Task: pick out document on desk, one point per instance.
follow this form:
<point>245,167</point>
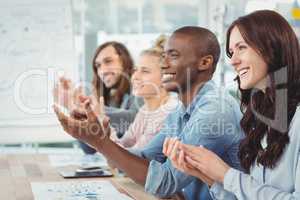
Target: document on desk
<point>79,190</point>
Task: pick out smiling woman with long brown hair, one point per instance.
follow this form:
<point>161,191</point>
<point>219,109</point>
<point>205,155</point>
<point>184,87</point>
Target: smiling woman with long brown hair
<point>265,53</point>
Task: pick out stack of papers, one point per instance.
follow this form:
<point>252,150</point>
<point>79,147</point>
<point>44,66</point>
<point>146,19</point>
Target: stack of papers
<point>79,190</point>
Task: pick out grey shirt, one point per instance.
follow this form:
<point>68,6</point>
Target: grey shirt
<point>122,117</point>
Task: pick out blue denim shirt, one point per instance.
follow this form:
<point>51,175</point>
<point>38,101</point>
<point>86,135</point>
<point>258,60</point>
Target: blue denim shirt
<point>212,120</point>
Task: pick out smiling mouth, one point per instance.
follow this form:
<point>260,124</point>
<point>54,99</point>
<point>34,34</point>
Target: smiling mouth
<point>243,72</point>
<point>108,76</point>
<point>137,86</point>
<point>168,77</point>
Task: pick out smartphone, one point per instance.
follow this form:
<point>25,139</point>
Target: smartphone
<point>81,173</point>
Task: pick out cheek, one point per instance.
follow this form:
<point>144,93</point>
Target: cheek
<point>118,70</point>
<point>154,79</point>
<point>117,76</point>
<point>99,73</point>
<point>260,71</point>
<point>117,67</point>
<point>151,83</point>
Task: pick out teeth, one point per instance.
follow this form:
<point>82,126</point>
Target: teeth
<point>167,77</point>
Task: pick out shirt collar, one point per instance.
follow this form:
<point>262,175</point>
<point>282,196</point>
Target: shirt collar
<point>206,87</point>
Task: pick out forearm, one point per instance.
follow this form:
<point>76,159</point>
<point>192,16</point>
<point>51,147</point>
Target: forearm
<point>135,167</point>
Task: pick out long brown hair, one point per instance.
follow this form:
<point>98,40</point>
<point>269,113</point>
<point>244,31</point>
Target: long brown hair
<point>123,86</point>
<point>272,37</point>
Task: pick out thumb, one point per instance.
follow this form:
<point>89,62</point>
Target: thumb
<point>89,111</point>
<point>102,104</point>
<point>93,100</point>
<point>83,98</point>
<point>106,122</point>
<point>105,125</point>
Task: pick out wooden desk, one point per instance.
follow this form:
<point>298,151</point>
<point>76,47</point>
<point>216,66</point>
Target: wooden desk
<point>17,171</point>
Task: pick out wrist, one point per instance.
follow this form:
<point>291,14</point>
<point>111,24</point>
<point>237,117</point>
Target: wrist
<point>102,144</point>
<point>226,169</point>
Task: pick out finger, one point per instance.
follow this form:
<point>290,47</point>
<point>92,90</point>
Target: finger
<point>62,79</point>
<point>93,99</point>
<point>55,92</point>
<point>191,149</point>
<point>60,115</point>
<point>66,82</point>
<point>105,125</point>
<point>78,114</point>
<point>181,160</point>
<point>102,104</point>
<point>63,119</point>
<point>78,91</point>
<point>174,153</point>
<point>89,111</point>
<point>165,146</point>
<point>194,163</point>
<point>170,146</point>
<point>83,98</point>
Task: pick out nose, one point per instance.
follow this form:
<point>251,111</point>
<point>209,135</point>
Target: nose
<point>134,76</point>
<point>164,63</point>
<point>235,61</point>
<point>103,69</point>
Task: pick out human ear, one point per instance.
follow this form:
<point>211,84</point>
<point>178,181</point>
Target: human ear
<point>205,63</point>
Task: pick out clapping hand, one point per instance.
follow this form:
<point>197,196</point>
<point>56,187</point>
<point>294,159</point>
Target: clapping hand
<point>65,94</point>
<point>195,161</point>
<point>90,130</point>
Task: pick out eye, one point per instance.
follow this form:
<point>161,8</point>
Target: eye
<point>241,47</point>
<point>174,55</point>
<point>107,61</point>
<point>97,65</point>
<point>145,71</point>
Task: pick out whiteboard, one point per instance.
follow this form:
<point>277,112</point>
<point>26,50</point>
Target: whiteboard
<point>36,41</point>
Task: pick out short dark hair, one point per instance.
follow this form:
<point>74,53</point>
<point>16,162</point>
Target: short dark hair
<point>205,41</point>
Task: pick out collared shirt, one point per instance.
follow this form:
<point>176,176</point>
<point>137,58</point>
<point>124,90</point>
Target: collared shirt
<point>281,182</point>
<point>212,120</point>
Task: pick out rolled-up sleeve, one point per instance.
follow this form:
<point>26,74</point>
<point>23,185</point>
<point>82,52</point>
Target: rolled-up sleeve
<point>163,180</point>
<point>218,192</point>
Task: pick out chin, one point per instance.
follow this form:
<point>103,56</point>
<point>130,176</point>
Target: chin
<point>137,94</point>
<point>110,84</point>
<point>171,87</point>
<point>245,86</point>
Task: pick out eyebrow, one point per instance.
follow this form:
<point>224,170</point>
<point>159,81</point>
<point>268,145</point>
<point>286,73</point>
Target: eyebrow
<point>104,59</point>
<point>108,58</point>
<point>171,51</point>
<point>142,67</point>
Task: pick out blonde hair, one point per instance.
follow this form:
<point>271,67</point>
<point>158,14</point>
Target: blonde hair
<point>158,48</point>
